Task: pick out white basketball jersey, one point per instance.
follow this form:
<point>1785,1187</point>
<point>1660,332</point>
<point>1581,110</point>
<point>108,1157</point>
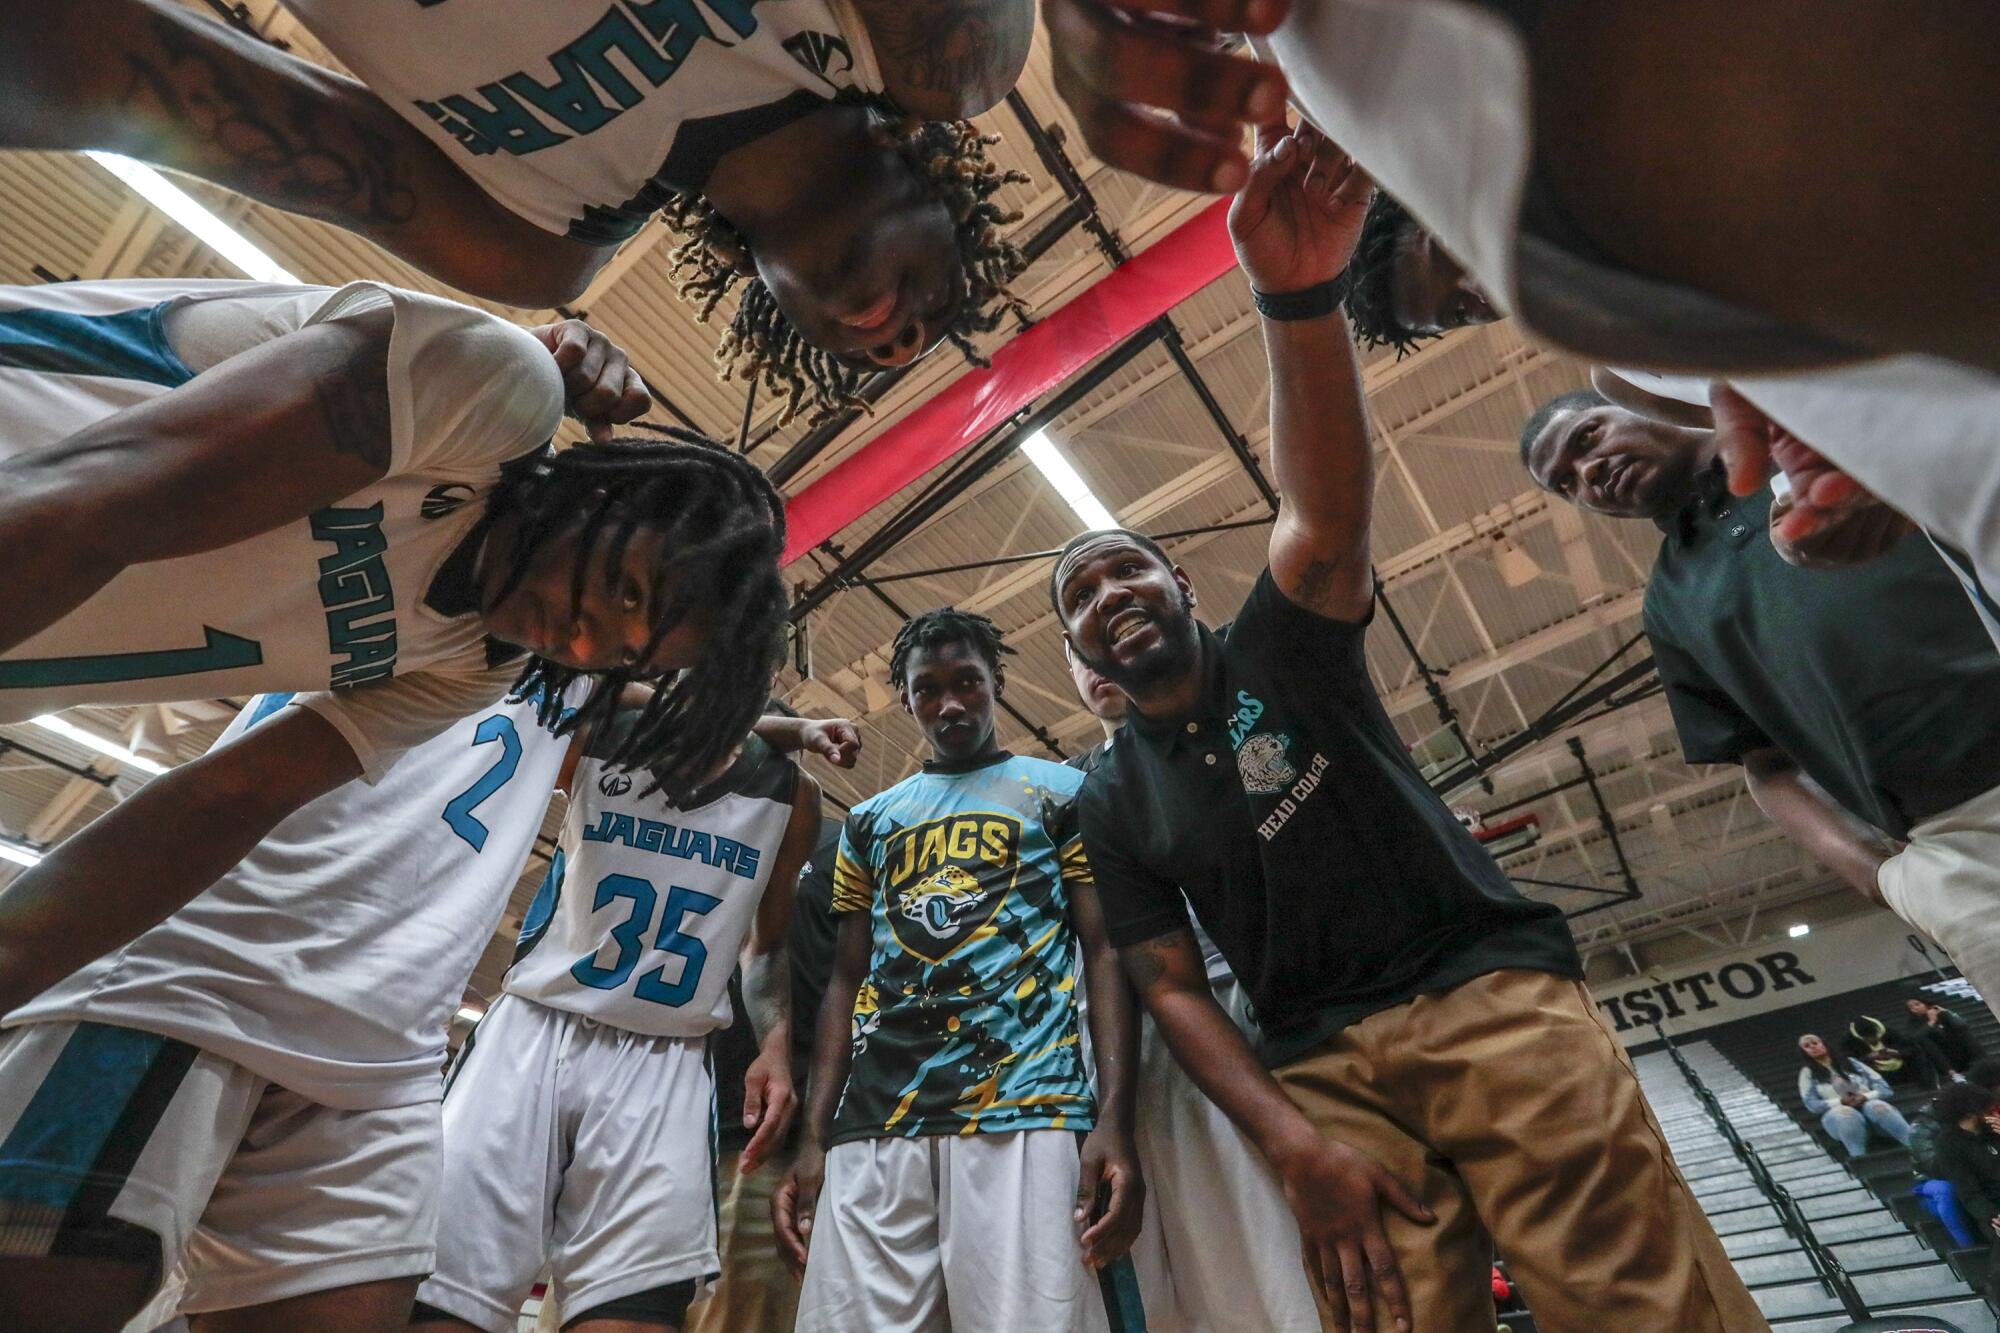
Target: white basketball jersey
<point>644,911</point>
<point>583,117</point>
<point>332,958</point>
<point>330,601</point>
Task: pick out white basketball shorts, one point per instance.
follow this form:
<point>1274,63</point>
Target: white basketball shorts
<point>966,1232</point>
<point>575,1147</point>
<point>117,1143</point>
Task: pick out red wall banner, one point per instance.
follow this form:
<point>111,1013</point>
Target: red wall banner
<point>1125,300</point>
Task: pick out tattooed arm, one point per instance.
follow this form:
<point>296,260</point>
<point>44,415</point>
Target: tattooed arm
<point>949,59</point>
<point>194,469</point>
<point>156,81</point>
<point>1295,224</point>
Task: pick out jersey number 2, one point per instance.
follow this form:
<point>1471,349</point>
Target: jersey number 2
<point>629,936</point>
<point>458,812</point>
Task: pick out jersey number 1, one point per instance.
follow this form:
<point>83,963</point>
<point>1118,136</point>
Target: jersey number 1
<point>629,935</point>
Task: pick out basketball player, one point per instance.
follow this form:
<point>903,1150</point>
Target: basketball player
<point>579,1121</point>
<point>510,147</point>
<point>413,524</point>
<point>1219,1248</point>
<point>246,1096</point>
<point>1434,1078</point>
<point>953,1156</point>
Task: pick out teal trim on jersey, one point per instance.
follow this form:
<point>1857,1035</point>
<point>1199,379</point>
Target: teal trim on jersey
<point>220,651</point>
<point>264,705</point>
<point>542,910</point>
<point>47,1156</point>
<point>1124,1307</point>
<point>131,345</point>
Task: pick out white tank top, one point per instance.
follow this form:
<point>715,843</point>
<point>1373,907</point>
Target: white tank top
<point>330,960</point>
<point>581,115</point>
<point>327,603</point>
<point>645,908</point>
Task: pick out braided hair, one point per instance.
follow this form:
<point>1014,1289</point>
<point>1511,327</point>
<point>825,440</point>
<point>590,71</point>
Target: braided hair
<point>942,625</point>
<point>1371,278</point>
<point>724,528</point>
<point>949,157</point>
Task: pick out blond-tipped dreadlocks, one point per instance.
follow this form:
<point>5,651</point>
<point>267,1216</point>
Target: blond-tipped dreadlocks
<point>949,156</point>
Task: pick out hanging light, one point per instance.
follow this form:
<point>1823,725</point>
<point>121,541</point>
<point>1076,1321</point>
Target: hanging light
<point>1517,568</point>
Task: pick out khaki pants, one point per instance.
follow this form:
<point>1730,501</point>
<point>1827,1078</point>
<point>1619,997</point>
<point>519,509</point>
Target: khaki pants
<point>1509,1109</point>
<point>756,1293</point>
<point>1946,883</point>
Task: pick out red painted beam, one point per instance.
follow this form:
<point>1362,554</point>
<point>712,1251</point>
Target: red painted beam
<point>1118,305</point>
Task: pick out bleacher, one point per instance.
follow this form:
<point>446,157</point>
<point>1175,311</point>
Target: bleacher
<point>1901,1259</point>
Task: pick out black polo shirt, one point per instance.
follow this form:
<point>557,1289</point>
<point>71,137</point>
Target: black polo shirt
<point>1879,681</point>
<point>1287,809</point>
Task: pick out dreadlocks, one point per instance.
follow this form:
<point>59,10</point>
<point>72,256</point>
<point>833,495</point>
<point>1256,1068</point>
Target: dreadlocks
<point>724,527</point>
<point>1371,301</point>
<point>950,158</point>
<point>947,624</point>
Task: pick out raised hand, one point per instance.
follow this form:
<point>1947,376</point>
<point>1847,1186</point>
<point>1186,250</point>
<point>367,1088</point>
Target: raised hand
<point>1152,92</point>
<point>599,384</point>
<point>1296,220</point>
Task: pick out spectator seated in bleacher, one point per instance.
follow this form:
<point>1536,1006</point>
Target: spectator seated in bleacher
<point>1936,1192</point>
<point>1948,1037</point>
<point>1848,1097</point>
<point>1968,1152</point>
<point>1867,1040</point>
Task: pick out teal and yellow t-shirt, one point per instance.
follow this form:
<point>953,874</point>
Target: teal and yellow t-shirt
<point>967,1022</point>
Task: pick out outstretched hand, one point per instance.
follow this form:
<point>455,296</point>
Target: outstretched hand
<point>600,386</point>
<point>1752,445</point>
<point>1296,220</point>
<point>834,739</point>
<point>1153,92</point>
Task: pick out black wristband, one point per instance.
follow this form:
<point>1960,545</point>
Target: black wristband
<point>1306,303</point>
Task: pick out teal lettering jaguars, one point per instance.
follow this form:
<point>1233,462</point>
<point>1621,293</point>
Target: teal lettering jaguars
<point>584,88</point>
<point>650,835</point>
<point>354,588</point>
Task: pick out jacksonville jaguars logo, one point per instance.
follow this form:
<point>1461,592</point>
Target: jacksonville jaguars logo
<point>1263,765</point>
<point>615,784</point>
<point>947,878</point>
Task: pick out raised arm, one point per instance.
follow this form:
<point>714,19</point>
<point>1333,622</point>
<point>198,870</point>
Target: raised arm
<point>147,858</point>
<point>949,59</point>
<point>1295,224</point>
<point>1110,1161</point>
<point>157,81</point>
<point>1333,1190</point>
<point>793,1205</point>
<point>768,1096</point>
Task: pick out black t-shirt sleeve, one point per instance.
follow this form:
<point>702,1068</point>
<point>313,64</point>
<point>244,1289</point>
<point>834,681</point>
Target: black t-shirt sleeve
<point>1712,728</point>
<point>1138,904</point>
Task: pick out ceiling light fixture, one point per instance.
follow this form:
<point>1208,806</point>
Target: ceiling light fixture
<point>1799,931</point>
<point>1517,568</point>
<point>19,853</point>
<point>468,1014</point>
<point>183,208</point>
<point>90,740</point>
<point>1069,483</point>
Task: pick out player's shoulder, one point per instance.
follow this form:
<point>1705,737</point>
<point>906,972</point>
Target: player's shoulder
<point>1055,778</point>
